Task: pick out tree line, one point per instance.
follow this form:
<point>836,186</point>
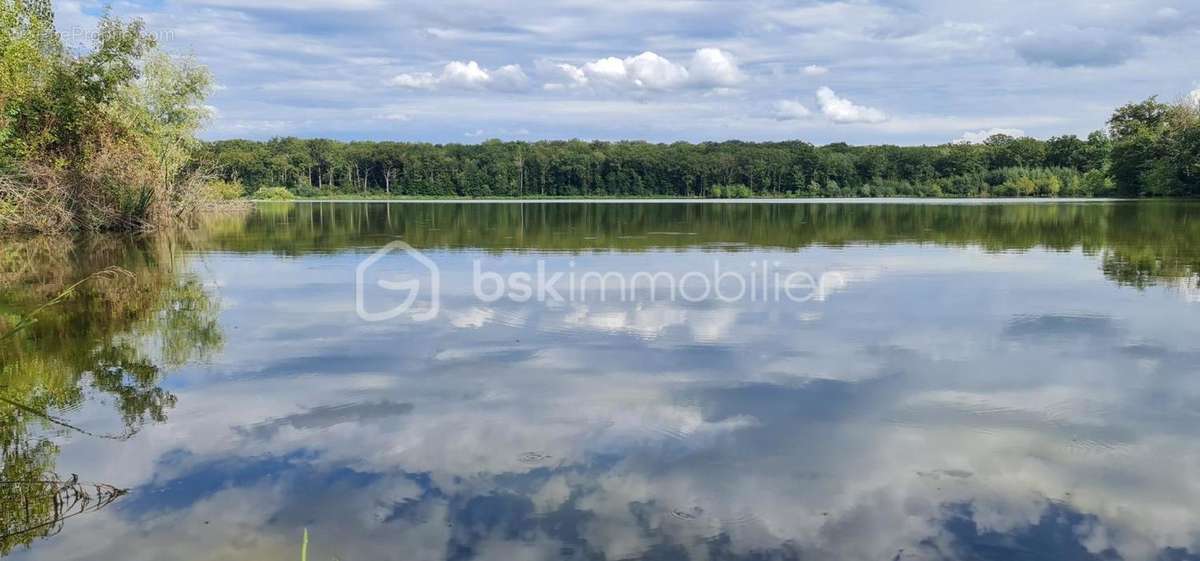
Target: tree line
<point>1148,149</point>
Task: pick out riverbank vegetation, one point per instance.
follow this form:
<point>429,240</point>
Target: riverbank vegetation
<point>103,140</point>
<point>1149,149</point>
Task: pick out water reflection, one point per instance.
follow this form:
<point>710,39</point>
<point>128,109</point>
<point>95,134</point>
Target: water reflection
<point>984,386</point>
<point>85,346</point>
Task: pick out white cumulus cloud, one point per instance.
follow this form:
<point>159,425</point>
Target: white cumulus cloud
<point>791,110</point>
<point>654,72</point>
<point>709,68</point>
<point>976,137</point>
<point>563,76</point>
<point>844,111</point>
<point>815,70</point>
<point>714,67</point>
<point>467,76</point>
<point>1194,97</point>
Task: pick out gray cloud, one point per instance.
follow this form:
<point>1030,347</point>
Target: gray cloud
<point>1066,48</point>
<point>330,415</point>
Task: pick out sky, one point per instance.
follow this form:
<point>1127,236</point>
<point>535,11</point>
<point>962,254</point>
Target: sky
<point>859,71</point>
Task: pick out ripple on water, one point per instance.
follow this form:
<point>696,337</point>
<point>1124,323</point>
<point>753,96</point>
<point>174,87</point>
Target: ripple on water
<point>534,458</point>
<point>709,521</point>
<point>688,515</point>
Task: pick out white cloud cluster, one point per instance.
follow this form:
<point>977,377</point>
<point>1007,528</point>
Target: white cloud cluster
<point>835,109</point>
<point>714,67</point>
<point>843,111</point>
<point>977,137</point>
<point>708,68</point>
<point>1194,97</point>
<point>466,76</point>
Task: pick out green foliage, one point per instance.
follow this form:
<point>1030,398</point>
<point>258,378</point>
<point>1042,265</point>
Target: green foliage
<point>1098,183</point>
<point>28,50</point>
<point>103,139</point>
<point>1156,149</point>
<point>315,168</point>
<point>1061,166</point>
<point>272,194</point>
<point>221,190</point>
<point>738,191</point>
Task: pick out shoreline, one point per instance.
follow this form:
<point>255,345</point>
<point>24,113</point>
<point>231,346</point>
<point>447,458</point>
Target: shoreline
<point>664,200</point>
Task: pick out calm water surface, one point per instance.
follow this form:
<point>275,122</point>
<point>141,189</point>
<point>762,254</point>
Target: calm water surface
<point>1016,381</point>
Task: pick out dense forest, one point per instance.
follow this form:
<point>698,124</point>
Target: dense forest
<point>1149,149</point>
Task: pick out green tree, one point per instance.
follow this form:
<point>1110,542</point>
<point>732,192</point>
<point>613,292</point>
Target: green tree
<point>98,140</point>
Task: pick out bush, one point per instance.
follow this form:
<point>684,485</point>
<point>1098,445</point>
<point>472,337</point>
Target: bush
<point>1097,182</point>
<point>737,191</point>
<point>272,194</point>
<point>220,190</point>
<point>102,140</point>
<point>307,191</point>
<point>1049,186</point>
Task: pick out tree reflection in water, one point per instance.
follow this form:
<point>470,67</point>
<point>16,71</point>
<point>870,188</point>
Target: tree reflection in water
<point>925,441</point>
<point>76,316</point>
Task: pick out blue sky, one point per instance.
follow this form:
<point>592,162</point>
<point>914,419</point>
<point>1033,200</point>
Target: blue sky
<point>886,71</point>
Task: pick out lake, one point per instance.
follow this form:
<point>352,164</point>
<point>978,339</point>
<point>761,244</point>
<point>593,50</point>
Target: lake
<point>586,381</point>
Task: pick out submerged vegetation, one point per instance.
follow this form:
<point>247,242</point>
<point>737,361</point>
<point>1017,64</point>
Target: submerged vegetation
<point>1150,149</point>
<point>97,141</point>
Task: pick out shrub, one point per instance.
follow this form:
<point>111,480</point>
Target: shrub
<point>307,191</point>
<point>1049,186</point>
<point>101,140</point>
<point>272,194</point>
<point>221,190</point>
<point>1097,182</point>
<point>736,191</point>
